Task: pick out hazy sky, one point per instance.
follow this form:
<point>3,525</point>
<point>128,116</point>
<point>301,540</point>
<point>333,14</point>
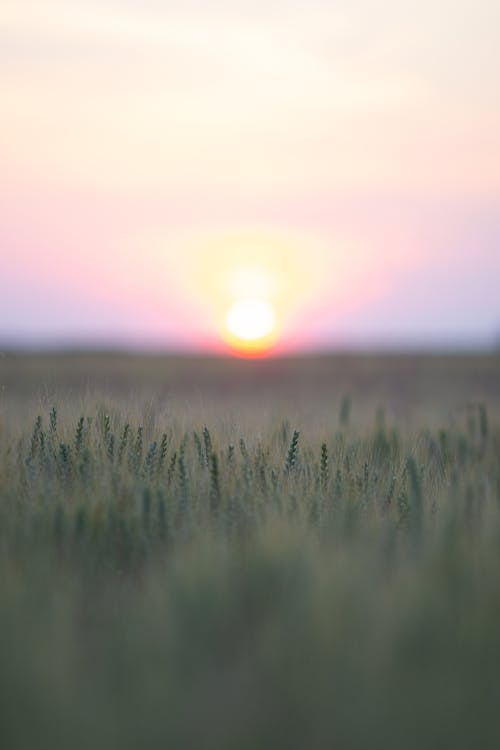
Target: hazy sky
<point>159,160</point>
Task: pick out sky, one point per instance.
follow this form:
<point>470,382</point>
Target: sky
<point>169,168</point>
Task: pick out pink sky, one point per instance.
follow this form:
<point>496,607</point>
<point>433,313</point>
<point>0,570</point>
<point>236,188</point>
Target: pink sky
<point>345,158</point>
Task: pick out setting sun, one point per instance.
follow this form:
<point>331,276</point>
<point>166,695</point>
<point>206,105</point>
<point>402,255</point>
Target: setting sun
<point>251,319</point>
<point>251,286</point>
<point>251,325</point>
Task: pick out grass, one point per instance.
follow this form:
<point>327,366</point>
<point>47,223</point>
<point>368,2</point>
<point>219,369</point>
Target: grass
<point>256,556</point>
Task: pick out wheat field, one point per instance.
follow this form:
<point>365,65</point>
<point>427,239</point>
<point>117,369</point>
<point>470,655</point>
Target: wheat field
<point>205,553</point>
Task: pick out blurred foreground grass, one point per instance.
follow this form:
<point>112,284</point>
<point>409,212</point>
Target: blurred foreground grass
<point>210,554</point>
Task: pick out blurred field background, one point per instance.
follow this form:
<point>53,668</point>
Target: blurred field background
<point>204,553</point>
<point>415,389</point>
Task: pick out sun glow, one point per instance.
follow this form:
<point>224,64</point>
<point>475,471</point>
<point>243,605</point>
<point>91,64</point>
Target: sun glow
<point>251,319</point>
<point>251,326</point>
<point>250,286</point>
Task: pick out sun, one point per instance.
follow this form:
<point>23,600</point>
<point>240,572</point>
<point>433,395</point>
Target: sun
<point>251,325</point>
<point>249,287</point>
<point>251,319</point>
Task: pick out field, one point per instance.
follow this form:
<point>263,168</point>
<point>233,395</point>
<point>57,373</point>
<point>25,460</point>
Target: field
<point>201,553</point>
